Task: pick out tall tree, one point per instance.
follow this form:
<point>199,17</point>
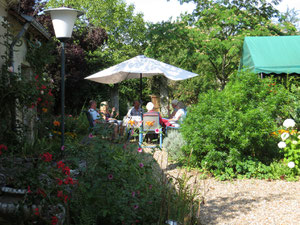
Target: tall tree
<point>125,35</point>
<point>209,41</point>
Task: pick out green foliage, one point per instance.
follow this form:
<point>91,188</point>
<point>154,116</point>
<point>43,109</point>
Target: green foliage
<point>125,38</point>
<point>19,94</point>
<point>226,127</point>
<point>173,143</point>
<point>118,186</point>
<point>209,41</point>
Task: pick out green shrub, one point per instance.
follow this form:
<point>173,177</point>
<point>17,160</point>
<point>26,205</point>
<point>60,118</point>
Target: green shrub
<point>226,127</point>
<point>117,187</point>
<point>173,143</point>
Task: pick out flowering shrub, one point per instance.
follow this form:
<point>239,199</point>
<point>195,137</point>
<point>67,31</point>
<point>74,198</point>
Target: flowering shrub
<point>44,96</point>
<point>290,144</point>
<point>119,187</point>
<point>48,184</point>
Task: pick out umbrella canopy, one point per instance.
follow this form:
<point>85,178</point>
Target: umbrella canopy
<point>137,67</point>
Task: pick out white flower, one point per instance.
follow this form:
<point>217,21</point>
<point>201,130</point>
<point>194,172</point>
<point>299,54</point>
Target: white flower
<point>284,136</point>
<point>282,144</point>
<point>294,142</point>
<point>291,165</point>
<point>298,136</point>
<point>42,92</point>
<point>289,123</point>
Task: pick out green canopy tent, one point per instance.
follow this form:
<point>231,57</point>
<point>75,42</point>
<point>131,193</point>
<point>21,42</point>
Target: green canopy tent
<point>271,55</point>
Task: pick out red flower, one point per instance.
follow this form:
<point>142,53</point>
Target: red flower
<point>36,212</point>
<point>47,157</point>
<point>66,170</point>
<point>39,99</point>
<point>60,164</point>
<point>69,180</point>
<point>28,189</point>
<point>60,194</point>
<point>44,87</point>
<point>42,192</point>
<point>50,93</point>
<point>4,147</point>
<point>36,77</point>
<point>59,181</point>
<point>66,198</point>
<point>54,220</point>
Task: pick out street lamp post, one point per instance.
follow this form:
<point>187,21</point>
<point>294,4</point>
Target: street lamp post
<point>63,20</point>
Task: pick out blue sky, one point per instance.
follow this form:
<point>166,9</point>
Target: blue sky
<point>159,10</point>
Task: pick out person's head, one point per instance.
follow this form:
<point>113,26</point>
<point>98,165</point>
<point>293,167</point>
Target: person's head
<point>180,105</point>
<point>93,104</point>
<point>104,106</point>
<point>150,106</point>
<point>174,103</point>
<point>136,104</point>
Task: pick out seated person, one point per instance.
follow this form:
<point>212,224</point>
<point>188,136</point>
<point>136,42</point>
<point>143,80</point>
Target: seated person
<point>180,113</point>
<point>150,107</point>
<point>94,114</point>
<point>174,104</point>
<point>98,119</point>
<point>136,110</point>
<point>104,111</point>
<point>133,114</point>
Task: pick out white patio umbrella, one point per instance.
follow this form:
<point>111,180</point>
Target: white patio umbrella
<point>138,67</point>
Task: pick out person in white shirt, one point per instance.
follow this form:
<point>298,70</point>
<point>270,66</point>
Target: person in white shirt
<point>177,118</point>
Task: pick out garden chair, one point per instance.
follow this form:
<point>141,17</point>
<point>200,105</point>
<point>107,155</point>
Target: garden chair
<point>150,125</point>
<point>90,120</point>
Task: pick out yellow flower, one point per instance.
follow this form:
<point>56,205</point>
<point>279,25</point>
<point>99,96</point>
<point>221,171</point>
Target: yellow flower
<point>131,122</point>
<point>282,131</point>
<point>149,123</point>
<point>45,110</point>
<point>293,132</point>
<point>56,123</point>
<point>274,133</point>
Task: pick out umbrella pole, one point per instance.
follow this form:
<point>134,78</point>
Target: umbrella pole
<point>142,128</point>
<point>141,87</point>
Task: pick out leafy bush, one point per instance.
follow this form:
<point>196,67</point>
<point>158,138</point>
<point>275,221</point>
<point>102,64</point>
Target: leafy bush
<point>173,143</point>
<point>118,186</point>
<point>226,127</point>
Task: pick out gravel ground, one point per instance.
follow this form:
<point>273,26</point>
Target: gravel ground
<point>242,202</point>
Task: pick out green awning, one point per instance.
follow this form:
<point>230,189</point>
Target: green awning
<point>272,54</point>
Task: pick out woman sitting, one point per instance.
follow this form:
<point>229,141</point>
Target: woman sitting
<point>108,117</point>
<point>150,109</point>
<point>104,111</point>
<point>177,118</point>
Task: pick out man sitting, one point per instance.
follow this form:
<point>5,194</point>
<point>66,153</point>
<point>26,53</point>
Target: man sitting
<point>95,115</point>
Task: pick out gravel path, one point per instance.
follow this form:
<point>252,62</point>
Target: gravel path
<point>242,202</point>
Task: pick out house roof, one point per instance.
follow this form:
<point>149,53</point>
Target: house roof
<point>25,18</point>
<point>272,54</point>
